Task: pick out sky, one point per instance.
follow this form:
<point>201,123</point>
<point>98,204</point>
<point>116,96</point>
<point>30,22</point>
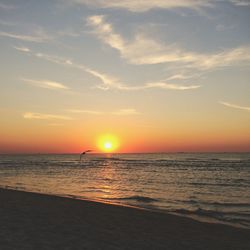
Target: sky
<point>158,76</point>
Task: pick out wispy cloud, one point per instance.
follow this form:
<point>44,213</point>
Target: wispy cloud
<point>40,116</point>
<point>183,76</point>
<point>39,38</point>
<point>125,112</point>
<point>23,49</point>
<point>107,81</point>
<point>164,85</point>
<point>145,5</point>
<point>7,6</point>
<point>45,84</point>
<point>159,85</point>
<point>145,50</point>
<point>230,105</point>
<point>241,2</point>
<point>121,112</point>
<point>82,111</point>
<point>225,58</point>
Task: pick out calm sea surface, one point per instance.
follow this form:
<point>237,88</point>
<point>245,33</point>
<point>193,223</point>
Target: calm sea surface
<point>210,187</point>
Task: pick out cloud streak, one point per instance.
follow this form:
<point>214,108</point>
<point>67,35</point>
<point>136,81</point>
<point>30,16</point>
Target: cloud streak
<point>7,6</point>
<point>45,84</point>
<point>183,76</point>
<point>41,116</point>
<point>107,81</point>
<point>110,82</point>
<point>120,112</point>
<point>125,112</point>
<point>144,50</point>
<point>145,5</point>
<point>241,2</point>
<point>164,85</point>
<point>230,105</point>
<point>82,111</point>
<point>22,49</point>
<point>27,38</point>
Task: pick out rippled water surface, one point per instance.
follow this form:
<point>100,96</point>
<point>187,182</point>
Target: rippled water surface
<point>212,187</point>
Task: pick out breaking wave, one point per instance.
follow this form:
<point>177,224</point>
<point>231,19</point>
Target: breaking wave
<point>138,198</point>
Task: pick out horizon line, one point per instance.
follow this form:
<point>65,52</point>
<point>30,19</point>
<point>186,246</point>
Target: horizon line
<point>111,153</point>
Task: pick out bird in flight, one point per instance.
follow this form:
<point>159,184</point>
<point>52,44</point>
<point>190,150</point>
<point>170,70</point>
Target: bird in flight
<point>83,153</point>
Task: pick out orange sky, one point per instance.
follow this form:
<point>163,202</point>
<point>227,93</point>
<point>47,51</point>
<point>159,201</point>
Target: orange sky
<point>166,79</point>
<point>74,139</point>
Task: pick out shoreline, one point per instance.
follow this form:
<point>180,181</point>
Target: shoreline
<point>75,197</point>
<point>203,219</point>
<point>34,220</point>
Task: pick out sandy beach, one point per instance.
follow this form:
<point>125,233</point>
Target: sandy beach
<point>37,221</point>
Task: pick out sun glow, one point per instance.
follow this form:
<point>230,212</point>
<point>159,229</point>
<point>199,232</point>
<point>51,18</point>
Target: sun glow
<point>108,143</point>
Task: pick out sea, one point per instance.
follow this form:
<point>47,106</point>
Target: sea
<point>211,187</point>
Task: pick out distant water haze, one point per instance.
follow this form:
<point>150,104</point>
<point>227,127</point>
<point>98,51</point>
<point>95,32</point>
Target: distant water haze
<point>210,187</point>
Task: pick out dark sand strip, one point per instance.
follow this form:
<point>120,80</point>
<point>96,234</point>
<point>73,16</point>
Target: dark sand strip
<point>37,221</point>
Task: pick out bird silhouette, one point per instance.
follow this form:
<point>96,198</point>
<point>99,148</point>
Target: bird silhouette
<point>83,153</point>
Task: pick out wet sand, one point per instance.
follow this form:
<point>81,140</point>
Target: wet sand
<point>37,221</point>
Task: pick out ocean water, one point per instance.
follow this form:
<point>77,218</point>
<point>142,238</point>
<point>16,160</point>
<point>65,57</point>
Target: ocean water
<point>208,187</point>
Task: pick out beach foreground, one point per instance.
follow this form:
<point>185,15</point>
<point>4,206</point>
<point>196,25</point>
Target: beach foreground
<point>37,221</point>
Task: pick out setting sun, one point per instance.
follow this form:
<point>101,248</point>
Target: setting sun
<point>108,143</point>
